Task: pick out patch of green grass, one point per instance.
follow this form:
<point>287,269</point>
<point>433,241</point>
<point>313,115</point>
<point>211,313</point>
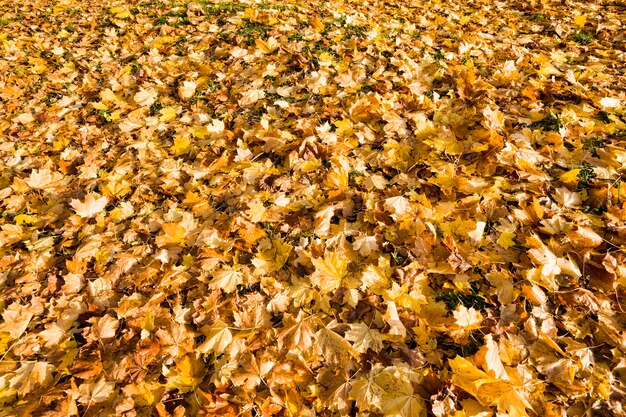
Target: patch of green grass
<point>438,55</point>
<point>252,30</point>
<point>398,258</point>
<point>551,123</point>
<point>212,85</point>
<point>134,67</point>
<point>52,97</point>
<point>586,176</point>
<point>224,35</point>
<point>161,20</point>
<point>220,8</point>
<point>453,299</point>
<point>296,37</point>
<point>475,340</point>
<point>156,107</point>
<point>538,16</point>
<point>4,21</point>
<point>604,117</point>
<point>593,144</point>
<point>105,116</point>
<point>355,31</point>
<point>582,37</point>
<point>177,13</point>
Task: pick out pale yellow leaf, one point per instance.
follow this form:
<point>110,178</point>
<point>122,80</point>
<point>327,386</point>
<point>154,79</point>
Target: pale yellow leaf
<point>218,338</point>
<point>94,204</point>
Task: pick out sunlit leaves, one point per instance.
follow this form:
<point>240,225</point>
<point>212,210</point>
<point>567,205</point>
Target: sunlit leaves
<point>486,389</point>
<point>329,272</point>
<point>384,208</point>
<point>218,338</point>
<point>92,205</point>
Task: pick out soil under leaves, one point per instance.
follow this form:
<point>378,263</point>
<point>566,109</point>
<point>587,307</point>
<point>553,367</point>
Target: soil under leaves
<point>372,208</point>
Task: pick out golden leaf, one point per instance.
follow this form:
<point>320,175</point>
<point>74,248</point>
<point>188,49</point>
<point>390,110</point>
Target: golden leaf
<point>329,272</point>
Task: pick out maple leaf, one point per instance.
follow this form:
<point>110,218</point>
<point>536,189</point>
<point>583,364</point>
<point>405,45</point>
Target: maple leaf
<point>145,97</point>
<point>329,271</point>
<point>398,398</point>
<point>30,376</point>
<point>256,211</point>
<point>335,349</point>
<point>322,221</point>
<point>129,124</point>
<point>299,335</point>
<point>167,114</point>
<point>494,119</point>
<point>476,235</point>
<point>392,318</point>
<point>489,355</point>
<point>398,206</point>
<point>94,204</point>
<point>375,278</point>
<point>489,391</point>
<point>567,198</point>
<point>251,96</point>
<point>267,47</point>
<point>173,234</point>
<point>105,327</point>
<point>366,245</point>
<point>364,338</point>
<point>16,319</point>
<point>226,279</point>
<point>187,90</point>
<point>367,393</point>
<point>216,126</point>
<point>218,338</point>
<point>95,392</point>
<point>186,374</point>
<point>610,102</point>
<point>43,179</point>
<point>467,318</point>
<point>182,145</point>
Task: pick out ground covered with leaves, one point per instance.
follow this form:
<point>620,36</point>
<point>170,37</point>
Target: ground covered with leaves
<point>364,208</point>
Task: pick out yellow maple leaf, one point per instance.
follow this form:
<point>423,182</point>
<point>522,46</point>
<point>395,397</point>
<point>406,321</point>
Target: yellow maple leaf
<point>173,234</point>
<point>167,114</point>
<point>580,20</point>
<point>335,349</point>
<point>489,391</point>
<point>43,178</point>
<point>467,318</point>
<point>363,338</point>
<point>187,373</point>
<point>92,205</point>
<point>226,279</point>
<point>256,211</point>
<point>218,338</point>
<point>268,46</point>
<point>121,12</point>
<point>181,145</point>
<point>506,239</point>
<point>329,271</point>
<point>570,177</point>
<point>25,219</point>
<point>31,375</point>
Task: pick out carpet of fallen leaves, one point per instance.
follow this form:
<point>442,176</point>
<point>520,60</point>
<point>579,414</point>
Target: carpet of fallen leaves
<point>365,208</point>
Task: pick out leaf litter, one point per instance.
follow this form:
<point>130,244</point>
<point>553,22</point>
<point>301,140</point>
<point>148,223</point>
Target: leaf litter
<point>379,208</point>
